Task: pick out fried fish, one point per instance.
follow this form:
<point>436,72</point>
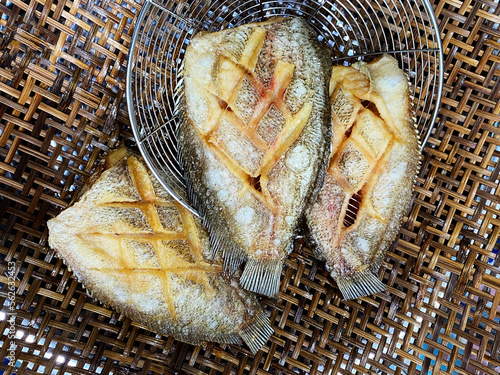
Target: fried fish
<point>138,250</point>
<point>254,139</point>
<point>371,173</point>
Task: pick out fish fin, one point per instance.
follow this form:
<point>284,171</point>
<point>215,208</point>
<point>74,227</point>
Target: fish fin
<point>360,284</point>
<point>257,332</point>
<point>233,257</point>
<point>262,276</point>
<point>379,257</point>
<point>227,339</point>
<point>232,254</point>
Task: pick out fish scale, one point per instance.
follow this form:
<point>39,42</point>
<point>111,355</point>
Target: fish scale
<point>254,139</point>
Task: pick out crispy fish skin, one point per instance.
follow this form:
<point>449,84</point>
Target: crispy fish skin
<point>135,248</point>
<point>374,163</point>
<point>254,140</point>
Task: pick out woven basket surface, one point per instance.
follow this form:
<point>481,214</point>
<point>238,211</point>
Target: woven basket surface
<point>62,108</point>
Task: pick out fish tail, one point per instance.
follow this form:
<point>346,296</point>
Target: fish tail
<point>360,284</point>
<point>257,332</point>
<point>262,276</point>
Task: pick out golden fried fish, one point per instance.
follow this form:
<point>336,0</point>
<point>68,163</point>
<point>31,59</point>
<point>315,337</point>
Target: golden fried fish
<point>138,250</point>
<point>371,175</point>
<point>254,140</point>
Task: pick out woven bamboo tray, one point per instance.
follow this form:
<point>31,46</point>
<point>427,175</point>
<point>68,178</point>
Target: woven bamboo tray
<point>62,107</point>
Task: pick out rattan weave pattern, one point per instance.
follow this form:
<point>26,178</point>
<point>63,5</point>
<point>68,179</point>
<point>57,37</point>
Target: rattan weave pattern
<point>62,72</point>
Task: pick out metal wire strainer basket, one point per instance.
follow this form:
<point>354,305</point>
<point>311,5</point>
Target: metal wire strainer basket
<point>351,29</point>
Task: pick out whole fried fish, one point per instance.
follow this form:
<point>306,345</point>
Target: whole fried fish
<point>138,250</point>
<point>372,171</point>
<point>254,140</point>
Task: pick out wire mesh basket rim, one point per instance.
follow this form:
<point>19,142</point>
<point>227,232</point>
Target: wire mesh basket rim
<point>143,146</point>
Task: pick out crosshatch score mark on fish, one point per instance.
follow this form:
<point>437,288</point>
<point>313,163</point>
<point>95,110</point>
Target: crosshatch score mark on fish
<point>368,186</point>
<point>269,106</point>
<point>194,270</point>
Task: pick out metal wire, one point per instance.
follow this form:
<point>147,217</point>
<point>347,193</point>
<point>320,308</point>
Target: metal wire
<point>351,29</point>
